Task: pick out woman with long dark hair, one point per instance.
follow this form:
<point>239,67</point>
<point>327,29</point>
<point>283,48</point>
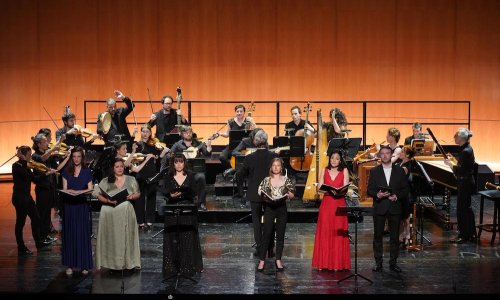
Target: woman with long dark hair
<point>76,249</point>
<point>331,244</point>
<point>179,189</point>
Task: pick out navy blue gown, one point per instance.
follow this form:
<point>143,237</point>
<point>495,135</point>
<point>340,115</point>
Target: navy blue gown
<point>76,249</point>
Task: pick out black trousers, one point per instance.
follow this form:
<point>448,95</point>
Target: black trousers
<point>201,187</point>
<point>224,157</point>
<point>258,228</point>
<point>25,206</point>
<point>271,213</point>
<point>45,199</point>
<point>378,228</point>
<point>145,206</point>
<point>465,214</point>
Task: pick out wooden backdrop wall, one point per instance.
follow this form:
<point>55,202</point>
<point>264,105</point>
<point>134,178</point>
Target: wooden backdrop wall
<point>57,52</point>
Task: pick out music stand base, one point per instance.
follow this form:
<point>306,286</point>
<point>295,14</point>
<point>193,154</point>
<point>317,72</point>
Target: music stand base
<point>177,277</point>
<point>355,275</point>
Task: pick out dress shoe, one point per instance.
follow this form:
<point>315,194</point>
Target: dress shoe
<point>24,252</point>
<point>395,268</point>
<point>85,272</point>
<point>203,207</point>
<point>377,268</point>
<point>228,172</point>
<point>278,269</point>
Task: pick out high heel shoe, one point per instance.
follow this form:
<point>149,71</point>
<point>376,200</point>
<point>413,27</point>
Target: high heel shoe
<point>278,268</point>
<point>260,269</point>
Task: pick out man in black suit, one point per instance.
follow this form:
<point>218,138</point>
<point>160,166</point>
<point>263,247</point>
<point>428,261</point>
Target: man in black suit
<point>119,128</point>
<point>387,205</point>
<point>255,169</point>
<point>464,172</point>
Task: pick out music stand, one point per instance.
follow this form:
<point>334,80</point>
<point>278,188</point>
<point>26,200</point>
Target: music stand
<point>281,141</point>
<point>357,213</point>
<point>171,138</point>
<point>348,146</point>
<point>235,137</point>
<point>197,165</point>
<point>297,146</point>
<point>178,210</point>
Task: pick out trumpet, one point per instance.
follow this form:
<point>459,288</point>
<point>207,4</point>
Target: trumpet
<point>491,186</point>
<point>372,149</point>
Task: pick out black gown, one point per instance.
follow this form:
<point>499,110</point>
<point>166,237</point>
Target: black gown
<point>190,257</point>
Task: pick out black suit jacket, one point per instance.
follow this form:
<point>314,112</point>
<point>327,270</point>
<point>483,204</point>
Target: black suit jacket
<point>398,183</point>
<point>119,123</point>
<point>255,168</point>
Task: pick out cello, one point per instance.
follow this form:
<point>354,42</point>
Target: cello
<point>319,164</point>
<point>303,163</point>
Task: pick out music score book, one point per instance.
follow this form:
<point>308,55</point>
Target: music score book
<point>385,189</point>
<point>335,192</point>
<point>75,192</point>
<point>117,195</point>
<point>274,200</point>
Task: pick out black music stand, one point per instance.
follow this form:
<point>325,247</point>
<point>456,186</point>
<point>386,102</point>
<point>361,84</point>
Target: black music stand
<point>297,146</point>
<point>348,146</point>
<point>197,165</point>
<point>357,213</point>
<point>281,141</point>
<point>171,138</point>
<point>178,210</point>
<point>235,137</point>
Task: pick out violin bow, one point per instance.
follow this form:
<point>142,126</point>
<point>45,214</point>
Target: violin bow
<point>8,160</point>
<point>150,102</point>
<point>51,117</point>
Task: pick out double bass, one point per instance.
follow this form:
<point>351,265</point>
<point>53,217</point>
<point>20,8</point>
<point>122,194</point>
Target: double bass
<point>318,165</point>
<point>303,163</point>
<point>179,117</point>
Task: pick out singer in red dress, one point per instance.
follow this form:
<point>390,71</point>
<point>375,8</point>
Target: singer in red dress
<point>331,244</point>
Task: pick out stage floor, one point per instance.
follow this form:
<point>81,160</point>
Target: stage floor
<point>230,268</point>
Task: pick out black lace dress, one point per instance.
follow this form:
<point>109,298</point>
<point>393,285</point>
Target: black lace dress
<point>187,259</point>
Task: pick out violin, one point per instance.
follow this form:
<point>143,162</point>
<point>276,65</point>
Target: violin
<point>60,153</point>
<point>62,146</point>
<point>37,166</point>
<point>156,143</point>
<point>84,132</point>
<point>136,157</point>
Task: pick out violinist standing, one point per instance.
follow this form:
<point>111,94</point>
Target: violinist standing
<point>146,204</point>
<point>45,182</point>
<point>73,133</point>
<point>22,177</point>
<point>119,129</point>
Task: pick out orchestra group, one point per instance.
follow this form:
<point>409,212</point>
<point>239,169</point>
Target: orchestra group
<point>129,174</point>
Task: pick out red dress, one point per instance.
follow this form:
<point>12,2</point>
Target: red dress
<point>331,244</point>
